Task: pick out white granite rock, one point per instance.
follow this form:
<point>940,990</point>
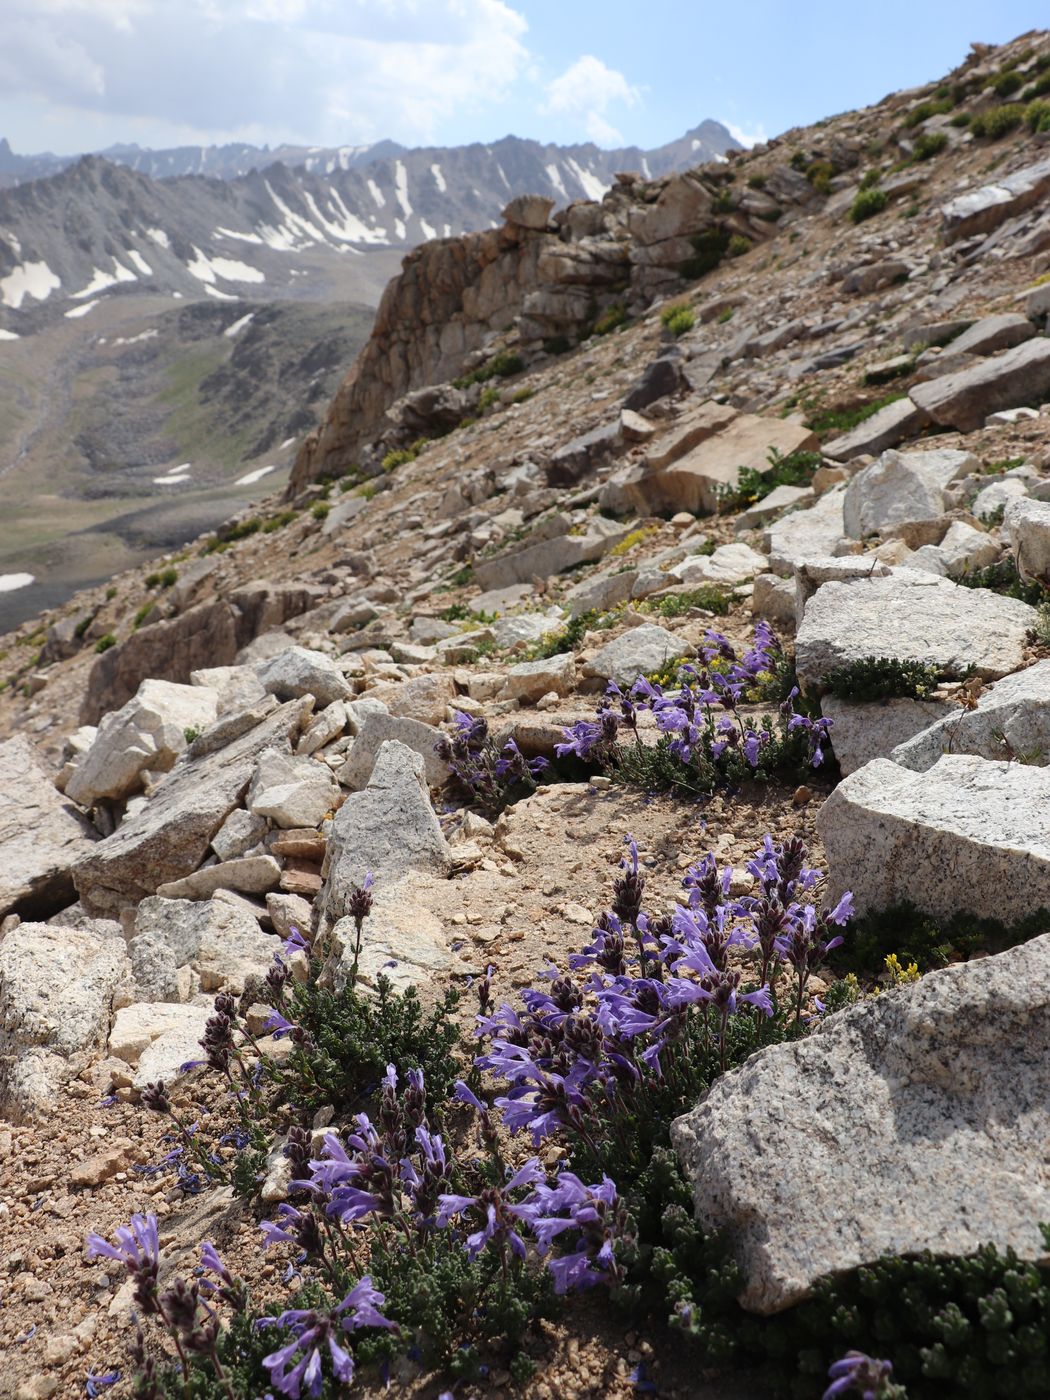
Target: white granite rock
<point>239,833</point>
<point>135,1028</point>
<point>57,987</point>
<point>389,829</point>
<point>524,627</point>
<point>997,496</point>
<point>180,1044</point>
<point>1011,720</point>
<point>298,671</point>
<point>774,599</point>
<point>41,835</point>
<point>912,616</point>
<point>902,487</point>
<point>962,550</point>
<point>873,729</point>
<point>379,728</point>
<point>249,874</point>
<point>1026,524</point>
<point>810,574</point>
<point>806,534</point>
<point>323,728</point>
<point>915,1121</point>
<point>149,732</point>
<point>291,791</point>
<point>639,652</point>
<point>729,564</point>
<point>221,943</point>
<point>967,835</point>
<point>530,680</point>
<point>235,686</point>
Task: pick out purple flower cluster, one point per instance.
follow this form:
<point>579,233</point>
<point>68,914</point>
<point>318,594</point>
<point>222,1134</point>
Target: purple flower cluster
<point>701,721</point>
<point>857,1374</point>
<point>657,994</point>
<point>297,1366</point>
<point>490,773</point>
<point>399,1176</point>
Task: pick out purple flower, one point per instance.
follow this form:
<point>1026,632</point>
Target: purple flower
<point>856,1372</point>
<point>137,1247</point>
<point>97,1383</point>
<point>277,1025</point>
<point>299,1362</point>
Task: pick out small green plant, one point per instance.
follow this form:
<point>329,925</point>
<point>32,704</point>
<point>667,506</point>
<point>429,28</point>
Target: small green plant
<point>82,626</point>
<point>111,593</point>
<point>462,576</point>
<point>104,643</point>
<point>191,733</point>
<point>522,395</point>
<point>724,202</point>
<point>882,678</point>
<point>871,177</point>
<point>319,510</point>
<point>998,122</point>
<point>569,637</point>
<point>611,319</point>
<point>502,365</point>
<point>726,315</point>
<point>756,182</point>
<point>366,490</point>
<point>1037,115</point>
<point>819,173</point>
<point>928,941</point>
<point>278,522</point>
<point>930,144</point>
<point>738,246</point>
<point>709,248</point>
<point>229,534</point>
<point>142,614</point>
<point>397,457</point>
<point>677,317</point>
<point>1002,577</point>
<point>962,119</point>
<point>1007,82</point>
<point>488,399</point>
<point>709,598</point>
<point>867,204</point>
<point>841,420</point>
<point>925,110</point>
<point>794,469</point>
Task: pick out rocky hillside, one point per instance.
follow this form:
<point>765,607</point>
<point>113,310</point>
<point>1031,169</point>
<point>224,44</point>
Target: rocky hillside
<point>653,648</point>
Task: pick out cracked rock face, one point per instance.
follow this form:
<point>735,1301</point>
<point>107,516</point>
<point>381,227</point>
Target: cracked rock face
<point>917,1120</point>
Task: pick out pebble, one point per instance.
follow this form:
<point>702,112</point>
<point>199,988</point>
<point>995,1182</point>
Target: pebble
<point>801,796</point>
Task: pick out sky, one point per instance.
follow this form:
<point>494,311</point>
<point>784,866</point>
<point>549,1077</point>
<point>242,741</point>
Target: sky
<point>79,75</point>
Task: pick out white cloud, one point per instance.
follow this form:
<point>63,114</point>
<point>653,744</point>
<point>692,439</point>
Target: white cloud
<point>328,71</point>
<point>586,90</point>
<point>746,138</point>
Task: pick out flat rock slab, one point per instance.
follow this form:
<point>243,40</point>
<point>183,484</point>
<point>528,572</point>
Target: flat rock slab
<point>1011,720</point>
<point>966,836</point>
<point>915,1121</point>
<point>169,838</point>
<point>981,210</point>
<point>861,732</point>
<point>806,534</point>
<point>379,728</point>
<point>912,616</point>
<point>41,836</point>
<point>895,423</point>
<point>964,400</point>
<point>1026,523</point>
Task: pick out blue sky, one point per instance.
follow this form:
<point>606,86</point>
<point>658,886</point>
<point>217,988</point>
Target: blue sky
<point>79,74</point>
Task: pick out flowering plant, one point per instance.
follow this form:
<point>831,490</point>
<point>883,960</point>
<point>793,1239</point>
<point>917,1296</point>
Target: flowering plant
<point>706,739</point>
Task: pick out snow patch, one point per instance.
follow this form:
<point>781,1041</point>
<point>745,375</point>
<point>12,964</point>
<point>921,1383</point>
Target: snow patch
<point>220,296</point>
<point>78,311</point>
<point>221,232</point>
<point>376,193</point>
<point>287,443</point>
<point>500,172</point>
<point>174,475</point>
<point>207,269</point>
<point>250,478</point>
<point>554,175</point>
<point>102,281</point>
<point>401,188</point>
<point>439,179</point>
<point>593,187</point>
<point>159,237</point>
<point>140,262</point>
<point>9,582</point>
<point>399,228</point>
<point>126,340</point>
<point>231,331</point>
<point>428,232</point>
<point>8,335</point>
<point>30,279</point>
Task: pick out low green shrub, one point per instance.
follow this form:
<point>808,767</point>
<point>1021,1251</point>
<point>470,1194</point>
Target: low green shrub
<point>678,318</point>
<point>998,122</point>
<point>104,643</point>
<point>925,110</point>
<point>709,248</point>
<point>611,319</point>
<point>882,678</point>
<point>929,144</point>
<point>867,204</point>
<point>319,510</point>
